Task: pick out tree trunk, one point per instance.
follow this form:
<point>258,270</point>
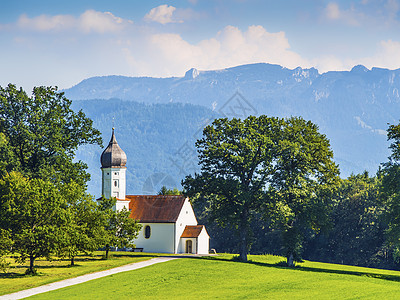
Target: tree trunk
<point>72,261</point>
<point>243,244</point>
<point>31,264</point>
<point>290,260</point>
<point>107,250</point>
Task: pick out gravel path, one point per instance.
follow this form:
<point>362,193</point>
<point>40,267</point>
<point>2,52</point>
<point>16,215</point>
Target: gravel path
<point>83,278</point>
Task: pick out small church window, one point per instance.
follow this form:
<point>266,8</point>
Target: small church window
<point>116,173</point>
<point>116,183</point>
<point>147,232</point>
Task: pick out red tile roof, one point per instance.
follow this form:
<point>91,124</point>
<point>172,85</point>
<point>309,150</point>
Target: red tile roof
<point>192,231</point>
<point>155,209</point>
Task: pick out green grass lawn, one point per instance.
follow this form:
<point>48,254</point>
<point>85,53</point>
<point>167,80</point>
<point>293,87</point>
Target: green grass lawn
<point>219,277</point>
<point>50,271</point>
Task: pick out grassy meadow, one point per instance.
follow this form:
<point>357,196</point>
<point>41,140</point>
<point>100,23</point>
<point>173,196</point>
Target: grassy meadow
<point>58,269</point>
<point>220,277</point>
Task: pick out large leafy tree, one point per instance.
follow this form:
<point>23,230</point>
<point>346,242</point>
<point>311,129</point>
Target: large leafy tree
<point>86,223</point>
<point>41,134</point>
<point>304,178</point>
<point>390,190</point>
<point>272,166</point>
<point>236,159</point>
<point>34,213</point>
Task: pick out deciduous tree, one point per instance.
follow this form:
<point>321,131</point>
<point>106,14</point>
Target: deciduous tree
<point>34,212</point>
<point>120,229</point>
<point>304,178</point>
<point>85,231</point>
<point>282,168</point>
<point>390,190</point>
<point>237,163</point>
<point>43,133</point>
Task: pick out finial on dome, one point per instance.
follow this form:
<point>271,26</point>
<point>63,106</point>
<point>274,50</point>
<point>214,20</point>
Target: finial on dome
<point>113,155</point>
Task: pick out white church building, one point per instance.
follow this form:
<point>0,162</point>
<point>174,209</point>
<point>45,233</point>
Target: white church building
<point>169,224</point>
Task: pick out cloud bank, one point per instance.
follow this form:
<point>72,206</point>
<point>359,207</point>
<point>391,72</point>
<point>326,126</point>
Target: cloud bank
<point>90,21</point>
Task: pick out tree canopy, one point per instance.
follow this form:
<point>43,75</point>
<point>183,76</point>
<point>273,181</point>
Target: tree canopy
<point>120,229</point>
<point>390,189</point>
<point>34,213</point>
<point>262,165</point>
<point>40,134</point>
<point>43,204</point>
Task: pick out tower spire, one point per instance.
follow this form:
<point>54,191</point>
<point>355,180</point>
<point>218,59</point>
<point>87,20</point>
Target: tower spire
<point>113,161</point>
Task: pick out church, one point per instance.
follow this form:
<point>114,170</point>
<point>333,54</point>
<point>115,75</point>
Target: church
<point>169,224</point>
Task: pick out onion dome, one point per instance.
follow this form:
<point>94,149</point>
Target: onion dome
<point>113,155</point>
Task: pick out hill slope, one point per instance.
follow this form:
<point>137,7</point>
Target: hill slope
<point>222,278</point>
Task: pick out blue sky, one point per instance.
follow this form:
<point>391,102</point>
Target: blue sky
<point>63,42</point>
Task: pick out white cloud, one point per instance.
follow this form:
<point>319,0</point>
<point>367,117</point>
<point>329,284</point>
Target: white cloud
<point>168,54</point>
<point>46,23</point>
<point>89,21</point>
<point>101,22</point>
<point>387,56</point>
<point>161,14</point>
<point>349,16</point>
<point>327,63</point>
<point>364,125</point>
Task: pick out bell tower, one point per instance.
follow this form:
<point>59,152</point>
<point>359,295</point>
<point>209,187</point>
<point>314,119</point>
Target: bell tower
<point>113,168</point>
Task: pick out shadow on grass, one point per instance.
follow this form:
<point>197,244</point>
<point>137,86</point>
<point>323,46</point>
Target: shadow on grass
<point>11,275</point>
<point>280,265</point>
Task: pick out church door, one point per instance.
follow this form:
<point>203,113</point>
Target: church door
<point>188,246</point>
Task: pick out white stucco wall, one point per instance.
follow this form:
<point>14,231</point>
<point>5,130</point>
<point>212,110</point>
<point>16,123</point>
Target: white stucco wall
<point>200,245</point>
<point>161,239</point>
<point>182,245</point>
<point>119,205</point>
<point>186,217</point>
<point>114,182</point>
<point>203,242</point>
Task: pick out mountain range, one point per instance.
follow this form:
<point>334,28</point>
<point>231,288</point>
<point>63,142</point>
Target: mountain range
<point>155,118</point>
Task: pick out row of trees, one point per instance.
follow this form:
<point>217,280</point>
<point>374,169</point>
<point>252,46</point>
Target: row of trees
<point>274,183</point>
<point>44,207</point>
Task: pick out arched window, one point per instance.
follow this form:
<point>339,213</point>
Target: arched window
<point>147,232</point>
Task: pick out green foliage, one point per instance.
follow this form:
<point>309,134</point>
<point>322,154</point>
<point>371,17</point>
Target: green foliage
<point>165,191</point>
<point>120,229</point>
<point>390,190</point>
<point>86,223</point>
<point>5,248</point>
<point>282,168</point>
<point>35,213</point>
<point>236,159</point>
<point>40,134</point>
<point>304,178</point>
<point>356,234</point>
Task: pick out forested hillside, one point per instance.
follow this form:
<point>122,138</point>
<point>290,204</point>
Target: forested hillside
<point>158,140</point>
